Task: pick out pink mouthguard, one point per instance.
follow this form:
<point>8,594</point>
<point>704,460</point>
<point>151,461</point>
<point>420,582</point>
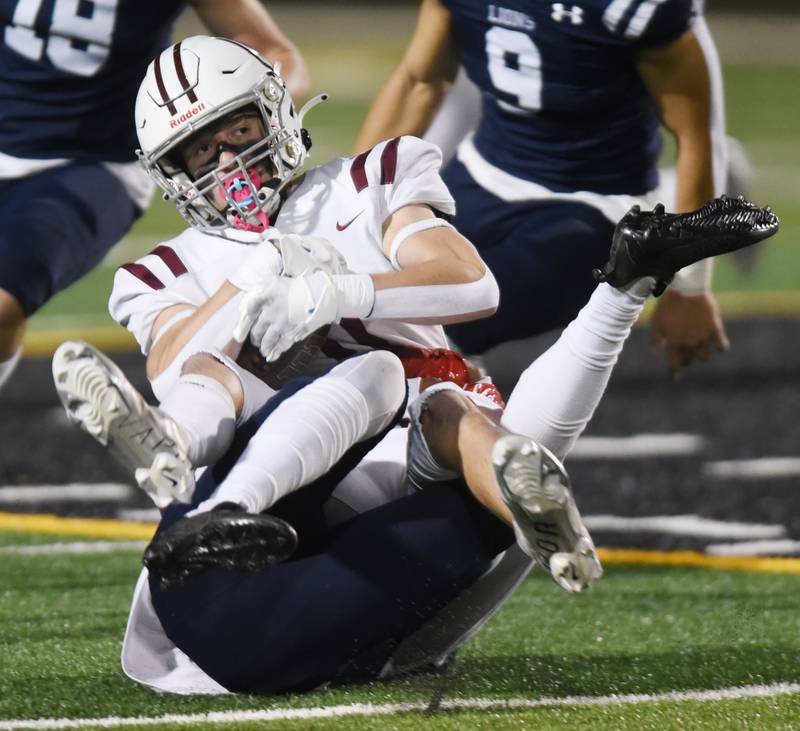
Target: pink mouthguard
<point>242,193</point>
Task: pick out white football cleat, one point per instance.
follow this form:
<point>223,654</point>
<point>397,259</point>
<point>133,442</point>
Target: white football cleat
<point>101,401</point>
<point>547,525</point>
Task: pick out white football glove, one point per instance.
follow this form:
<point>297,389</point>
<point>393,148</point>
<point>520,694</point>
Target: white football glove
<point>287,311</point>
<point>305,254</point>
<point>290,255</point>
<point>262,266</point>
<point>278,311</point>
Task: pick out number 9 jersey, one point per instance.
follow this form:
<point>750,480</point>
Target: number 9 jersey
<point>69,71</point>
<point>563,105</point>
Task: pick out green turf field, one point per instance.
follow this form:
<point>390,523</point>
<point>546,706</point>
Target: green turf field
<point>640,630</point>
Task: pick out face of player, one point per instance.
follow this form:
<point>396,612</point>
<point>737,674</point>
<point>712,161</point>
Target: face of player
<point>215,146</point>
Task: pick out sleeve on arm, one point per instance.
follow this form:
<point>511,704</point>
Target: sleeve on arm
<point>142,290</point>
<point>648,23</point>
<point>403,171</point>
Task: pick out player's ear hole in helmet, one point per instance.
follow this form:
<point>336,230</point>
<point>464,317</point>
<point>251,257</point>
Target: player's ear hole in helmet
<point>197,90</point>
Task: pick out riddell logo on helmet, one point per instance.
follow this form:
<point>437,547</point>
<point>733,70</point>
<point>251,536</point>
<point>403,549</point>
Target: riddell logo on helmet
<point>179,120</point>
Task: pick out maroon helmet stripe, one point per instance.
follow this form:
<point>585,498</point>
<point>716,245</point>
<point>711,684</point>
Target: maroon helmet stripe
<point>144,274</point>
<point>389,161</point>
<point>358,173</point>
<point>161,88</point>
<point>171,259</point>
<point>176,57</point>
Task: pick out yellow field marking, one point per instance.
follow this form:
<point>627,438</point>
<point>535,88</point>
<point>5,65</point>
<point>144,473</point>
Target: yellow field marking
<point>112,339</point>
<point>127,530</point>
<point>82,527</point>
<point>782,303</point>
<point>694,559</point>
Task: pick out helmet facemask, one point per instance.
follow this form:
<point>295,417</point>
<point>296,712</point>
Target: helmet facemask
<point>251,182</point>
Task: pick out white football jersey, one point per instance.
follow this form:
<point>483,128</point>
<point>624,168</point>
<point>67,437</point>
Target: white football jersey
<point>345,201</point>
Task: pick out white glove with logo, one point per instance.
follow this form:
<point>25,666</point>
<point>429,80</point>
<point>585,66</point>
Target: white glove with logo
<point>288,311</point>
<point>305,254</point>
<point>309,290</point>
<point>260,268</point>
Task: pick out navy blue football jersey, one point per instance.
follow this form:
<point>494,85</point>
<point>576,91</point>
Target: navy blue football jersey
<point>563,105</point>
<point>69,73</point>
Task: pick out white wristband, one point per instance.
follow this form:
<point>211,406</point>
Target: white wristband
<point>355,294</point>
<point>695,279</point>
<point>410,230</point>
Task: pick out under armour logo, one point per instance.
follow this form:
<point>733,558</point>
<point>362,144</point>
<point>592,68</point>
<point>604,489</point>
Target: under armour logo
<point>575,13</point>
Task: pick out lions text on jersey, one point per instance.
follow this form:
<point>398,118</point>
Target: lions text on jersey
<point>563,105</point>
<point>70,70</point>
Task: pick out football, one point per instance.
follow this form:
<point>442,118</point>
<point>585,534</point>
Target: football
<point>294,363</point>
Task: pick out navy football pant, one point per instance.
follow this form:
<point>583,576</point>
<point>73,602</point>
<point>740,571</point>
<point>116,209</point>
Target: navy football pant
<point>338,609</point>
<point>541,252</point>
<point>57,225</point>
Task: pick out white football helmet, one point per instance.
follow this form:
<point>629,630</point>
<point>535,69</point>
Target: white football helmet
<point>195,83</point>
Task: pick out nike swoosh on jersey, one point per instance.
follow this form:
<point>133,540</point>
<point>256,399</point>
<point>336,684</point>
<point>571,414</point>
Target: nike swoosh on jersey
<point>343,226</point>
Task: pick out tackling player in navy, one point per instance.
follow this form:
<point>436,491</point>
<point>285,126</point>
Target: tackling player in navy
<point>225,604</point>
<point>71,186</point>
<point>573,94</point>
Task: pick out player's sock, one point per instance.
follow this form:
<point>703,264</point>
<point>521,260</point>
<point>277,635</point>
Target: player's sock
<point>206,412</point>
<point>7,367</point>
<point>311,431</point>
<point>558,393</point>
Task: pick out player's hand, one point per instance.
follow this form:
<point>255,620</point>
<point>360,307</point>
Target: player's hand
<point>305,254</point>
<point>687,328</point>
<point>286,311</point>
<point>261,266</point>
<point>260,277</point>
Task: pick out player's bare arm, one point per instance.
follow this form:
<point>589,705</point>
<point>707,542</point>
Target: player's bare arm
<point>686,325</point>
<point>410,98</point>
<point>676,76</point>
<point>248,22</point>
<point>436,256</point>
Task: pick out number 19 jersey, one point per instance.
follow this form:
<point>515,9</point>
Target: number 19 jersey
<point>563,105</point>
<point>69,72</point>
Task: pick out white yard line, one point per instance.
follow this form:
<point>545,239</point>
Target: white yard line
<point>73,492</point>
<point>76,547</point>
<point>753,469</point>
<point>785,547</point>
<point>684,525</point>
<point>364,709</point>
<point>637,446</point>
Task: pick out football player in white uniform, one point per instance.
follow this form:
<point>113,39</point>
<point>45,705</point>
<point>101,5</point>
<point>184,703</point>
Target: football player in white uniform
<point>347,598</point>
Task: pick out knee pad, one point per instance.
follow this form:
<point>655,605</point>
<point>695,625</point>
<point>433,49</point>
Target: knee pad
<point>380,377</point>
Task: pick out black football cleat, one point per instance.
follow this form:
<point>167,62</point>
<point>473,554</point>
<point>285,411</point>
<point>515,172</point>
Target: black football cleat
<point>658,244</point>
<point>226,537</point>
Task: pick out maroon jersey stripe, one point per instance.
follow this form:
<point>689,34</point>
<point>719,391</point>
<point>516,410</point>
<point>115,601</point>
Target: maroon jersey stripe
<point>161,88</point>
<point>389,161</point>
<point>176,57</point>
<point>358,173</point>
<point>171,259</point>
<point>140,271</point>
